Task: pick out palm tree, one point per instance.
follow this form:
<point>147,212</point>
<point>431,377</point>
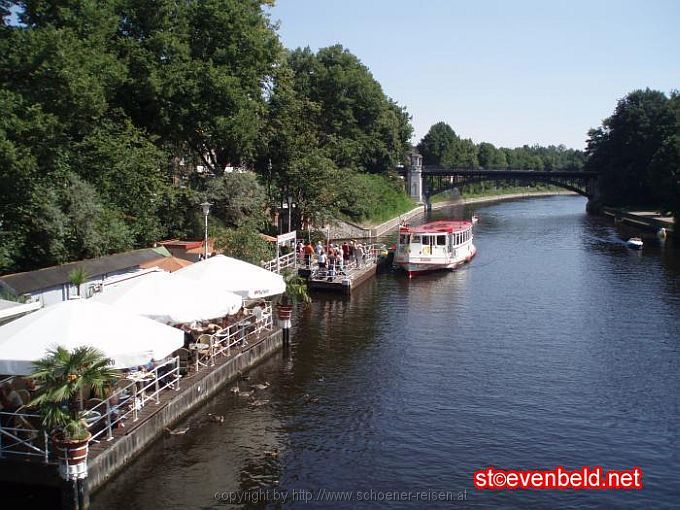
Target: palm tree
<point>62,376</point>
<point>77,277</point>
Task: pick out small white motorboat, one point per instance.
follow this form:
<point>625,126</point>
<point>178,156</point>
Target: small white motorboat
<point>634,243</point>
<point>475,219</point>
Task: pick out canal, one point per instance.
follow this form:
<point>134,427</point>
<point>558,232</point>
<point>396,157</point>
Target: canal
<point>556,346</point>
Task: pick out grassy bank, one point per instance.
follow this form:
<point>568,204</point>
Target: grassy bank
<point>373,199</point>
<point>449,195</point>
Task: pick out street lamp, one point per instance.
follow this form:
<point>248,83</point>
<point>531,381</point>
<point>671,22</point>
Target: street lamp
<point>289,201</point>
<point>206,210</point>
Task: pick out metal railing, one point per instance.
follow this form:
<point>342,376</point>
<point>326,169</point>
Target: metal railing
<point>281,263</point>
<point>238,334</point>
<point>21,434</point>
<point>371,254</point>
<point>128,400</point>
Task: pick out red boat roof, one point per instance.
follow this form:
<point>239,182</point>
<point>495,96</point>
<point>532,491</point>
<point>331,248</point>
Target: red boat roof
<point>436,226</point>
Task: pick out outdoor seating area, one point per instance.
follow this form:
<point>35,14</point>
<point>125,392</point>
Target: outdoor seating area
<point>170,338</point>
<point>136,388</point>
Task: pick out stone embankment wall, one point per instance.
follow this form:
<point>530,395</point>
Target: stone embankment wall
<point>193,393</point>
<point>347,230</point>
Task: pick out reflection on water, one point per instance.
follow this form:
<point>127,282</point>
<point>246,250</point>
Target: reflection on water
<point>556,346</point>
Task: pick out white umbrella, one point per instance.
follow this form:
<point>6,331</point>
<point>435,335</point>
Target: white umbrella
<point>170,298</point>
<point>226,273</point>
<point>130,340</point>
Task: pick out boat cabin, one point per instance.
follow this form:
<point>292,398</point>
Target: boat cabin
<point>436,238</point>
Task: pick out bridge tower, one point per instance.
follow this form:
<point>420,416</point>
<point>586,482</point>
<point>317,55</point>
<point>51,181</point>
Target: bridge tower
<point>415,176</point>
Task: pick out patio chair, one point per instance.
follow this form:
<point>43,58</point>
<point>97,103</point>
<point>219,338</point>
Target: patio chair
<point>29,430</point>
<point>204,355</point>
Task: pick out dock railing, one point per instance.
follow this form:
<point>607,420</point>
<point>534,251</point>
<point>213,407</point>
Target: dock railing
<point>371,254</point>
<point>282,263</point>
<point>257,320</point>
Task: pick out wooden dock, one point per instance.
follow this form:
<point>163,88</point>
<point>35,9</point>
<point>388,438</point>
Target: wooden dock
<point>344,281</point>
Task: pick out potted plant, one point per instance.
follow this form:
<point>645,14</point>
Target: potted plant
<point>78,277</point>
<point>62,376</point>
<point>296,292</point>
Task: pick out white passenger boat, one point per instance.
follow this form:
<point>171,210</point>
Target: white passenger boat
<point>635,243</point>
<point>433,246</point>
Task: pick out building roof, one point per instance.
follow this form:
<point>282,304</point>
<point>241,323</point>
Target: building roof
<point>176,243</point>
<point>30,281</point>
<point>170,264</point>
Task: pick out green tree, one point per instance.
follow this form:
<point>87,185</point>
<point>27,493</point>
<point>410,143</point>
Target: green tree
<point>244,244</point>
<point>623,148</point>
<point>200,69</point>
<point>238,200</point>
<point>486,154</point>
<point>358,126</point>
<point>439,146</point>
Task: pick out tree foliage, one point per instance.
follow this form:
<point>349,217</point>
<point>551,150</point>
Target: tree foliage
<point>636,151</point>
<point>102,102</point>
<point>441,146</point>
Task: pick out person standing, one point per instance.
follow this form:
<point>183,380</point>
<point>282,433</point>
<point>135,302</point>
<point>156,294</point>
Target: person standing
<point>359,253</point>
<point>309,251</point>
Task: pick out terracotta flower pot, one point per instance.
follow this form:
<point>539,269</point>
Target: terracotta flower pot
<point>284,312</point>
<point>72,456</point>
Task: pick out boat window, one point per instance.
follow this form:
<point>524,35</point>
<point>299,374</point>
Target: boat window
<point>404,239</point>
<point>416,239</point>
<point>441,240</point>
<point>427,240</point>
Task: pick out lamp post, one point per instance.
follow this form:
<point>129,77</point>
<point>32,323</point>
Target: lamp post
<point>289,201</point>
<point>206,210</point>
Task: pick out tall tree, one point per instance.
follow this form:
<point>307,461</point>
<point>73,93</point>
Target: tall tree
<point>359,126</point>
<point>439,145</point>
<point>201,68</point>
<point>623,148</point>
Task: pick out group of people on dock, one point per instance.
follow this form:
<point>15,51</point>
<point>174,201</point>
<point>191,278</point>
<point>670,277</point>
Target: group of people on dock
<point>332,257</point>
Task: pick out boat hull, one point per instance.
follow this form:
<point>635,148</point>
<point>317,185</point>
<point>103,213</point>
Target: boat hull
<point>418,265</point>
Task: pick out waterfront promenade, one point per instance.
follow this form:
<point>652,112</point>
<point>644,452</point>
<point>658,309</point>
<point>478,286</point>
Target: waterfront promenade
<point>147,421</point>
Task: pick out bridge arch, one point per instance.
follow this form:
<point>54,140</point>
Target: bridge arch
<point>436,180</point>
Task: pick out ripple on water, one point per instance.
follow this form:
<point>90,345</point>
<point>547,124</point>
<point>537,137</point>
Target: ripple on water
<point>555,346</point>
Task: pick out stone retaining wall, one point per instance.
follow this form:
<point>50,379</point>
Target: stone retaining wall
<point>192,394</point>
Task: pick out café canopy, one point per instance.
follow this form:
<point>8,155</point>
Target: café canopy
<point>130,340</point>
<point>171,298</point>
<point>233,275</point>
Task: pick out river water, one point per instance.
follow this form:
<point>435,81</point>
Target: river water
<point>555,346</point>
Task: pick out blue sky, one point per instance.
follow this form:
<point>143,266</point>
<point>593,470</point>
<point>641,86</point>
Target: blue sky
<point>505,72</point>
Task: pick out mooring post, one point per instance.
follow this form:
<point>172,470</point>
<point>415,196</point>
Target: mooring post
<point>69,495</point>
